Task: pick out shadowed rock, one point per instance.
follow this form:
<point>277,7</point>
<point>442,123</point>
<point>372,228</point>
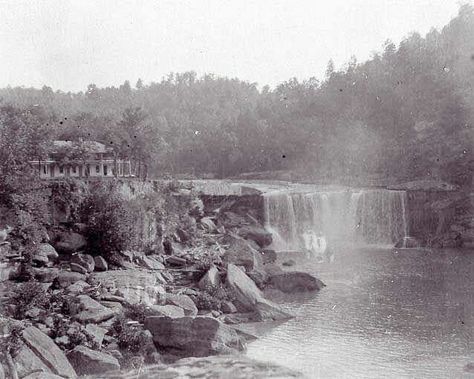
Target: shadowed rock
<point>194,337</point>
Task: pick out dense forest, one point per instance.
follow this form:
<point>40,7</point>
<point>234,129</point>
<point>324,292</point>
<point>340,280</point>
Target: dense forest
<point>406,113</point>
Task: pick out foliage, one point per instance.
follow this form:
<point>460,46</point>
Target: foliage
<point>129,338</point>
<point>26,296</point>
<point>405,113</point>
<point>69,193</point>
<point>136,312</point>
<point>211,298</point>
<point>109,221</point>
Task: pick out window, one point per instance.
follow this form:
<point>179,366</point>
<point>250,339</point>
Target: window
<point>44,169</point>
<point>105,170</point>
<point>97,169</point>
<point>61,169</point>
<point>74,169</point>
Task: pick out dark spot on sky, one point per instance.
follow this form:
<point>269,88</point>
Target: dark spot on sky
<point>472,57</point>
<point>283,156</point>
<point>60,122</point>
<point>65,118</point>
<point>340,89</point>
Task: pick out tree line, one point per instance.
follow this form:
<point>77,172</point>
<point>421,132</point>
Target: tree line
<point>406,113</point>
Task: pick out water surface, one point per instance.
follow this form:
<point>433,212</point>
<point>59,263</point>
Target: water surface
<point>384,314</point>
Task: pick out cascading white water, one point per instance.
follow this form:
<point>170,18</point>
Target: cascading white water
<point>340,217</point>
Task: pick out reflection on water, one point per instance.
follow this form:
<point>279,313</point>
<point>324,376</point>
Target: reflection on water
<point>384,313</point>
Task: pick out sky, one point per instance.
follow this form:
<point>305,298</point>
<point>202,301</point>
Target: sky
<point>69,44</point>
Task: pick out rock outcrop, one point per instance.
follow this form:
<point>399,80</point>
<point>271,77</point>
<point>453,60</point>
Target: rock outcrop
<point>47,352</point>
<point>250,298</point>
<point>91,362</point>
<point>194,337</point>
<point>295,281</point>
<point>211,279</point>
<point>85,309</point>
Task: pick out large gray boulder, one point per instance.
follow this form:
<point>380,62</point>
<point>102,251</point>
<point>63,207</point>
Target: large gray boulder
<point>241,253</point>
<point>70,242</point>
<point>48,352</point>
<point>66,278</point>
<point>84,260</point>
<point>135,286</point>
<point>91,362</point>
<point>257,234</point>
<point>184,302</point>
<point>295,281</point>
<point>100,263</point>
<point>250,298</point>
<point>44,253</point>
<point>194,337</point>
<point>171,311</point>
<point>85,309</point>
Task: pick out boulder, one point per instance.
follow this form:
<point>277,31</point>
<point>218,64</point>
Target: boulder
<point>47,250</point>
<point>78,287</point>
<point>208,225</point>
<point>171,311</point>
<point>194,337</point>
<point>70,242</point>
<point>84,260</point>
<point>135,286</point>
<point>184,302</point>
<point>100,264</point>
<point>176,261</point>
<point>48,352</point>
<point>241,253</point>
<point>27,362</point>
<point>250,298</point>
<point>231,220</point>
<point>75,267</point>
<point>228,307</point>
<point>182,235</point>
<point>289,263</point>
<point>257,234</point>
<point>66,278</point>
<point>269,256</point>
<point>295,281</point>
<point>44,254</point>
<point>85,309</point>
<point>91,362</point>
<point>46,274</point>
<point>211,279</point>
<point>150,263</point>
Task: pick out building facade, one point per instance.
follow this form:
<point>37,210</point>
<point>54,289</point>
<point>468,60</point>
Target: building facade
<point>82,159</point>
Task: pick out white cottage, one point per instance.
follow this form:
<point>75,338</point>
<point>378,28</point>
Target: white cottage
<point>82,159</point>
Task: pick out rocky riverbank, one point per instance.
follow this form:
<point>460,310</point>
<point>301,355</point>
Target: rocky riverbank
<point>69,311</point>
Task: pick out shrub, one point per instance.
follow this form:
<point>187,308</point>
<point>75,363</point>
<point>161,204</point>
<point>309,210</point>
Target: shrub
<point>136,312</point>
<point>129,338</point>
<point>109,223</point>
<point>29,295</point>
<point>211,298</point>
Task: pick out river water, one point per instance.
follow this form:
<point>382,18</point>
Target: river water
<point>385,313</point>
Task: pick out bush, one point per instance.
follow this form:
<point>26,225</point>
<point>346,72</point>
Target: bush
<point>129,338</point>
<point>211,298</point>
<point>136,312</point>
<point>110,227</point>
<point>29,295</point>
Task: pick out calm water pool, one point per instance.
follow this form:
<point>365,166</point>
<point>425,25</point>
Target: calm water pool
<point>383,314</point>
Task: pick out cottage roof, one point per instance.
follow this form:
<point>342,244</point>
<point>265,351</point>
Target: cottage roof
<point>89,146</point>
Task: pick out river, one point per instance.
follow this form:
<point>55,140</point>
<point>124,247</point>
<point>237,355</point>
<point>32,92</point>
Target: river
<point>385,313</point>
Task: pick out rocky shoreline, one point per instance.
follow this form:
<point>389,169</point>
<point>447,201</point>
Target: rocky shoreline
<point>149,313</point>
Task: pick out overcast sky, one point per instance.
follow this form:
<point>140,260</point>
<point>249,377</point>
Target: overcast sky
<point>69,44</point>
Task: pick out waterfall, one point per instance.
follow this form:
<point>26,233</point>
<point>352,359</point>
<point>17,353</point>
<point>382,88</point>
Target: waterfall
<point>340,217</point>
